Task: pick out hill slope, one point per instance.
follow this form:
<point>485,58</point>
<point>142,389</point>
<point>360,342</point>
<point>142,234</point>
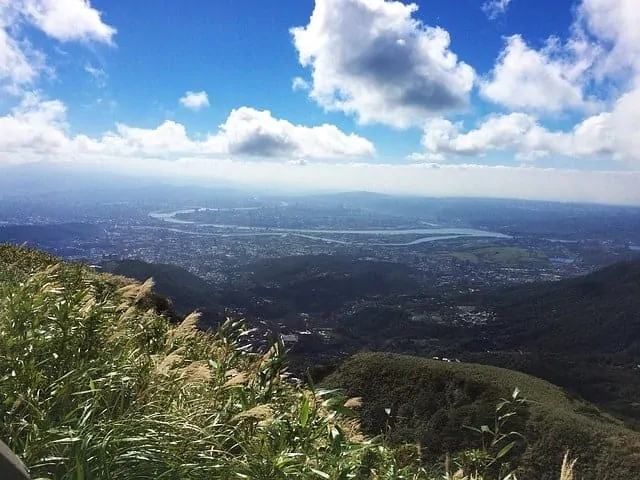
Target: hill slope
<point>324,283</point>
<point>581,333</point>
<point>598,313</point>
<point>97,385</point>
<point>430,401</point>
<point>187,291</point>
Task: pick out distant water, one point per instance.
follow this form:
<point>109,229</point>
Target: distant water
<point>169,217</point>
<point>434,234</point>
<point>635,248</point>
<point>556,240</point>
<point>566,261</point>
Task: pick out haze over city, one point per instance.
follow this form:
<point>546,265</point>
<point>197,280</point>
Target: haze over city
<point>506,98</point>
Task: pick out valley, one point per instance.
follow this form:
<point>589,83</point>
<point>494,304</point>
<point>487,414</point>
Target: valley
<point>473,280</point>
<point>345,281</point>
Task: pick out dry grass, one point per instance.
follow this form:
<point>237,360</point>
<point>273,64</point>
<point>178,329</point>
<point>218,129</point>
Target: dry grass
<point>567,470</point>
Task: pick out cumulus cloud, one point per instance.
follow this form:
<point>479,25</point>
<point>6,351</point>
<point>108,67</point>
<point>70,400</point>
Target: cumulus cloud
<point>517,132</point>
<point>494,8</point>
<point>257,133</point>
<point>603,49</point>
<point>67,20</point>
<point>34,127</point>
<point>39,127</point>
<point>195,100</point>
<point>607,135</point>
<point>373,59</point>
<point>615,24</point>
<point>547,80</point>
<point>63,20</point>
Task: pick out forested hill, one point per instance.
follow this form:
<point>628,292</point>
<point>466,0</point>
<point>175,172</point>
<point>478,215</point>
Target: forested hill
<point>595,314</point>
<point>427,401</point>
<point>581,333</point>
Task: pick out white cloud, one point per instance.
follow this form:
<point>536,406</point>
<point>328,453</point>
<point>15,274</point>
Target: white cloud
<point>615,24</point>
<point>98,74</point>
<point>195,100</point>
<point>34,127</point>
<point>257,133</point>
<point>510,132</point>
<point>19,63</point>
<point>168,139</point>
<point>67,20</point>
<point>603,51</point>
<point>495,8</point>
<point>548,80</point>
<point>38,128</point>
<point>373,59</point>
<point>300,83</point>
<point>607,135</point>
<point>63,20</point>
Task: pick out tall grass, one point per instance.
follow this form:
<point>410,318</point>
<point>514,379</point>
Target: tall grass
<point>94,386</point>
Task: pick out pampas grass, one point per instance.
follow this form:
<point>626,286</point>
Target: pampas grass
<point>93,386</point>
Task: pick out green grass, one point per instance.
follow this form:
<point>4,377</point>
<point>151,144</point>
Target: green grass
<point>431,401</point>
<point>96,383</point>
<point>501,255</point>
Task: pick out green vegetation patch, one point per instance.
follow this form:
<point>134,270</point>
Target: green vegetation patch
<point>430,402</point>
<point>95,383</point>
<point>501,255</point>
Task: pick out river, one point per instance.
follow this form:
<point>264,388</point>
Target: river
<point>434,234</point>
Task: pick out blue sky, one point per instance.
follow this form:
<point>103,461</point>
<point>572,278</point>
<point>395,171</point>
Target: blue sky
<point>241,52</point>
<point>535,99</point>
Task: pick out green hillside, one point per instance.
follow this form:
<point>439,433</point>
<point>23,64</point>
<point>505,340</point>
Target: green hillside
<point>430,401</point>
<point>95,383</point>
<point>324,283</point>
<point>100,379</point>
<point>598,313</point>
<point>185,289</point>
<point>581,333</point>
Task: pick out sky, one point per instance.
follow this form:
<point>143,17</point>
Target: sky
<point>497,98</point>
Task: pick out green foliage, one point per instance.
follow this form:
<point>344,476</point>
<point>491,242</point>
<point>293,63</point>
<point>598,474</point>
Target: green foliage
<point>430,403</point>
<point>185,289</point>
<point>498,441</point>
<point>94,385</point>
